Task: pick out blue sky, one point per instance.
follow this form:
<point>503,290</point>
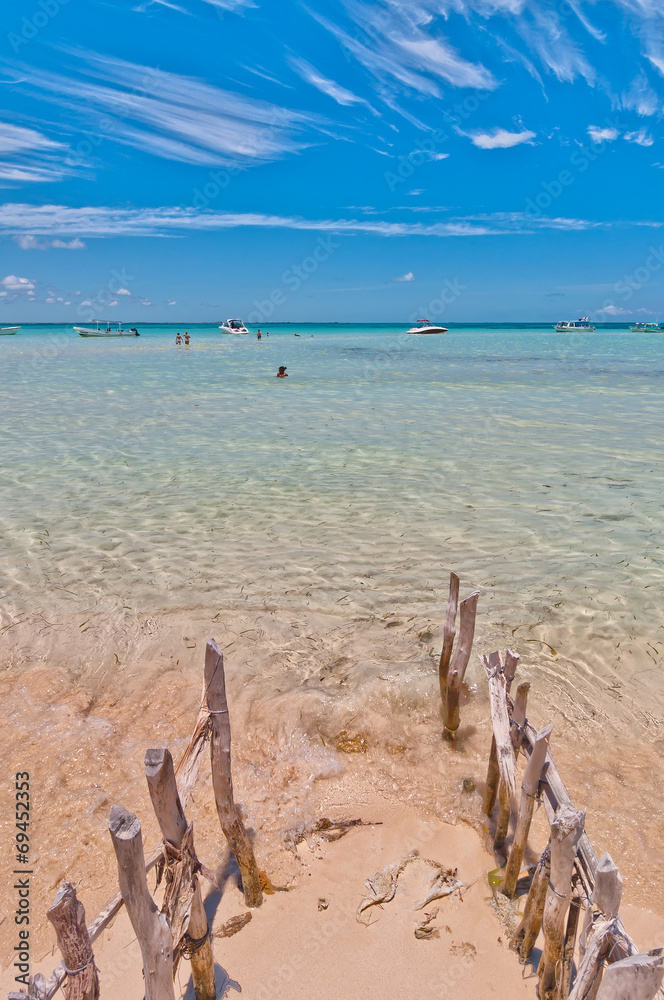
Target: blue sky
<point>463,159</point>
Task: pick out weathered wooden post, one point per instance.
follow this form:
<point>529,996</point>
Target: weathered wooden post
<point>517,721</point>
<point>68,918</point>
<point>499,678</point>
<point>638,977</point>
<point>568,948</point>
<point>458,664</point>
<point>519,714</point>
<point>528,930</point>
<point>604,933</point>
<point>566,829</point>
<point>449,632</point>
<point>150,926</point>
<point>529,788</point>
<point>186,903</point>
<point>222,781</point>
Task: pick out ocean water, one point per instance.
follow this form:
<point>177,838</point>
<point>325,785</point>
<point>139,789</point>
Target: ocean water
<point>142,483</point>
<point>139,474</point>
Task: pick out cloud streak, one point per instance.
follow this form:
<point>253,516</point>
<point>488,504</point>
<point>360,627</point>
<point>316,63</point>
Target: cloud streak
<point>49,220</point>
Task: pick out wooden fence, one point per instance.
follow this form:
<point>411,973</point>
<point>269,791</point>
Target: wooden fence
<point>569,882</point>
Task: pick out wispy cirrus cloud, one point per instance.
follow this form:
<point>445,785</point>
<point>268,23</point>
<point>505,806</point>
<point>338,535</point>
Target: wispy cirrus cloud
<point>405,277</point>
<point>599,134</point>
<point>28,156</point>
<point>171,116</point>
<point>29,242</point>
<point>329,87</point>
<point>62,220</point>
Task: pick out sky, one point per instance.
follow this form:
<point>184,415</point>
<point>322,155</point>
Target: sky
<point>276,160</point>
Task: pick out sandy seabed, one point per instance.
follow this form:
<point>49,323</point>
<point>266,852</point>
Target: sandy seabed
<point>332,717</point>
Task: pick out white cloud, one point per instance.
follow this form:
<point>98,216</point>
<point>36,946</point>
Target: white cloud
<point>500,138</point>
<point>334,90</point>
<point>439,156</point>
<point>405,277</point>
<point>14,284</point>
<point>172,116</point>
<point>101,221</point>
<point>28,156</point>
<point>28,242</point>
<point>123,291</point>
<point>598,134</point>
<point>171,303</point>
<point>641,137</point>
<point>616,311</point>
<point>112,304</point>
<point>640,97</point>
<point>86,302</point>
<point>146,302</point>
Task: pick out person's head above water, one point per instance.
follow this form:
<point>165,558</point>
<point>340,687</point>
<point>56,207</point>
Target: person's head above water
<point>282,372</point>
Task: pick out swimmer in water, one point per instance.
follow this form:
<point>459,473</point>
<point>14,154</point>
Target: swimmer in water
<point>282,373</point>
<point>178,340</point>
<point>187,338</point>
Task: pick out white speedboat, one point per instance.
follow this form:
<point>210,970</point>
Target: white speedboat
<point>106,330</point>
<point>581,325</point>
<point>233,326</point>
<point>424,326</point>
<point>8,331</point>
<point>647,328</point>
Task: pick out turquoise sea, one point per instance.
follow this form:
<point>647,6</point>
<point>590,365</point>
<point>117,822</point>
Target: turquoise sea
<point>136,474</point>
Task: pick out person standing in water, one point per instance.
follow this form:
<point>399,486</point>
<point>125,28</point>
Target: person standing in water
<point>258,335</point>
<point>187,338</point>
<point>282,373</point>
<point>178,339</point>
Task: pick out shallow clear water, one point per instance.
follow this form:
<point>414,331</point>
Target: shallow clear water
<point>152,495</point>
<point>140,475</point>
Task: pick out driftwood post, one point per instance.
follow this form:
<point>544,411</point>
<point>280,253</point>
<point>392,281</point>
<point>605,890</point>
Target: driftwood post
<point>458,664</point>
<point>528,930</point>
<point>68,918</point>
<point>493,771</point>
<point>529,787</point>
<point>499,678</point>
<point>566,830</point>
<point>192,920</point>
<point>604,934</point>
<point>449,632</point>
<point>638,977</point>
<point>568,947</point>
<point>222,782</point>
<point>150,926</point>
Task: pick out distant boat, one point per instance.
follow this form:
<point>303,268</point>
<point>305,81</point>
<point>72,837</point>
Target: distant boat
<point>424,326</point>
<point>647,328</point>
<point>582,325</point>
<point>233,326</point>
<point>8,331</point>
<point>105,330</point>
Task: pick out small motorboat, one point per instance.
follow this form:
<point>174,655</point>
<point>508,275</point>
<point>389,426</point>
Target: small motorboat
<point>581,325</point>
<point>8,331</point>
<point>424,326</point>
<point>647,328</point>
<point>106,330</point>
<point>233,326</point>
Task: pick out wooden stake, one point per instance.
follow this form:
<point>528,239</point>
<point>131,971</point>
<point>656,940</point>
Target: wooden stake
<point>458,663</point>
<point>150,926</point>
<point>566,829</point>
<point>528,930</point>
<point>607,893</point>
<point>504,816</point>
<point>529,788</point>
<point>492,780</point>
<point>222,782</point>
<point>519,715</point>
<point>68,918</point>
<point>589,976</point>
<point>449,632</point>
<point>193,922</point>
<point>568,948</point>
<point>638,977</point>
